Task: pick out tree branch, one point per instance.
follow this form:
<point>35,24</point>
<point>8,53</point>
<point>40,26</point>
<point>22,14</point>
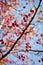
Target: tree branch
<point>17,50</point>
<point>22,33</point>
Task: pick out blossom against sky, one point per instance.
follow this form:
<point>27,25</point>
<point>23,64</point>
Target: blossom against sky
<point>33,39</point>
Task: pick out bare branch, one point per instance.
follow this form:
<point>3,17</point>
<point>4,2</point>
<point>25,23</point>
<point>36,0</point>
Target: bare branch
<point>17,50</point>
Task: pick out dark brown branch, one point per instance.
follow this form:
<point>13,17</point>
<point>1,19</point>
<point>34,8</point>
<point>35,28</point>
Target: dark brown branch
<point>16,51</point>
<point>36,50</point>
<point>22,33</point>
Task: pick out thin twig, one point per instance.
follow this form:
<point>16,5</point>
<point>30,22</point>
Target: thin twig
<point>16,51</point>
